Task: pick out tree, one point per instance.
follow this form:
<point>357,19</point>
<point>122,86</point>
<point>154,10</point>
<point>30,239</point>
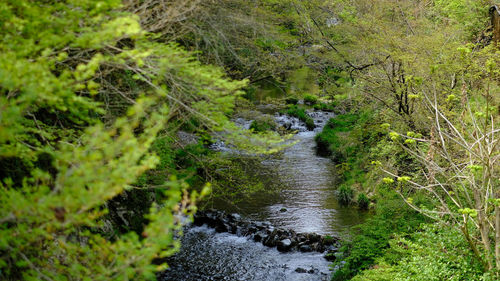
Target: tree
<point>460,157</point>
<point>84,93</point>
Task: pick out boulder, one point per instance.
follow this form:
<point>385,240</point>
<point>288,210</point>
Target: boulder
<point>259,236</point>
<point>235,217</point>
<point>313,237</point>
<point>284,245</point>
<point>305,248</point>
<point>300,270</point>
<point>270,241</point>
<point>222,227</point>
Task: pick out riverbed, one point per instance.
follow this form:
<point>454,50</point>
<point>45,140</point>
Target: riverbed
<point>305,203</point>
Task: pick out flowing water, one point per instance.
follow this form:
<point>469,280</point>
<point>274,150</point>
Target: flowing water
<point>207,255</point>
<point>305,203</point>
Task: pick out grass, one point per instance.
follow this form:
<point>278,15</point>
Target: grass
<point>331,141</point>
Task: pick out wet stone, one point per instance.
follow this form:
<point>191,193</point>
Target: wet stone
<point>300,270</point>
<point>235,217</point>
<point>284,245</point>
<point>330,257</point>
<point>259,236</point>
<point>222,228</point>
<point>305,248</point>
<point>285,240</point>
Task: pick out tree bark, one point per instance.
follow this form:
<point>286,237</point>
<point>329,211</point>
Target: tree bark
<point>483,227</point>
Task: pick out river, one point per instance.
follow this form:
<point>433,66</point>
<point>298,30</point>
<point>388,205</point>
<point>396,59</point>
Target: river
<point>305,203</point>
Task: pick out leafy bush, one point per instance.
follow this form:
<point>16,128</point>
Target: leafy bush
<point>250,94</point>
<point>435,252</point>
<point>323,140</point>
<point>310,99</point>
<point>330,142</point>
<point>392,216</point>
<point>85,96</point>
<point>324,107</point>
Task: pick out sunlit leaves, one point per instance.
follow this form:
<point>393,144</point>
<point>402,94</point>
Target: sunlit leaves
<point>55,65</point>
<point>388,180</point>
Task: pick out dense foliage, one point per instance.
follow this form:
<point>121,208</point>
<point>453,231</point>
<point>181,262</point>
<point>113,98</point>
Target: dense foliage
<point>90,102</point>
<point>107,109</point>
<point>425,78</point>
<point>392,216</point>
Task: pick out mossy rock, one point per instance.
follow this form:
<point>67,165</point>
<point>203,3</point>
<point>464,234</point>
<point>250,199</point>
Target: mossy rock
<point>300,113</point>
<point>262,125</point>
<point>310,99</point>
<point>310,124</point>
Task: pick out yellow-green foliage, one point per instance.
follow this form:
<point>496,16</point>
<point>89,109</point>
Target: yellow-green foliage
<point>406,57</point>
<point>66,69</point>
<point>432,253</point>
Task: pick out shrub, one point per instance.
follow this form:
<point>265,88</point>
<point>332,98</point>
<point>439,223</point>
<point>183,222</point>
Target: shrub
<point>250,93</point>
<point>310,99</point>
<point>75,134</point>
<point>324,107</point>
<point>310,124</point>
<point>331,142</point>
<point>392,216</point>
<point>323,141</point>
<point>435,252</point>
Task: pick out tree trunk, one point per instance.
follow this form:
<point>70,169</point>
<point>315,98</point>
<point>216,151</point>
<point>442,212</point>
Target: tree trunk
<point>483,227</point>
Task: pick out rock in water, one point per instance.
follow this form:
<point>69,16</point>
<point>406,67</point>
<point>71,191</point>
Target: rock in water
<point>284,245</point>
<point>305,248</point>
<point>284,239</point>
<point>300,270</point>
